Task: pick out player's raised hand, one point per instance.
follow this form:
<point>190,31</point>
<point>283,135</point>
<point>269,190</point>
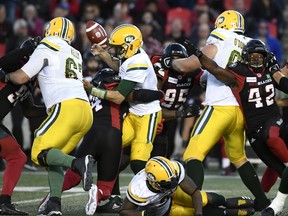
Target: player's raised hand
<point>87,85</point>
<point>188,110</point>
<point>192,49</point>
<point>97,49</point>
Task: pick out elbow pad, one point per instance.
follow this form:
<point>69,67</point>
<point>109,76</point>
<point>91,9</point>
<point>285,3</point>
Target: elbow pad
<point>146,95</point>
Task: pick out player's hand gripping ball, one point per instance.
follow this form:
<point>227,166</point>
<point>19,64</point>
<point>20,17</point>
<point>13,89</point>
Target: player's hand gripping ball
<point>96,33</point>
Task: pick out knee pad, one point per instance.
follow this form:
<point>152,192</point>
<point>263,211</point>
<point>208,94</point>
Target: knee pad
<point>137,165</point>
<point>42,158</point>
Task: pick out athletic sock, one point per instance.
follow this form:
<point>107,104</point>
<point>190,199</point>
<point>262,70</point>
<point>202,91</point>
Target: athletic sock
<point>55,179</point>
<point>55,157</point>
<point>250,179</point>
<point>195,170</point>
<point>269,178</point>
<point>283,188</point>
<point>216,199</point>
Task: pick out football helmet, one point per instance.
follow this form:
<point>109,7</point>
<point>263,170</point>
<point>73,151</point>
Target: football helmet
<point>230,20</point>
<point>105,75</point>
<point>126,39</point>
<point>60,27</point>
<point>161,173</point>
<point>175,50</point>
<point>255,46</point>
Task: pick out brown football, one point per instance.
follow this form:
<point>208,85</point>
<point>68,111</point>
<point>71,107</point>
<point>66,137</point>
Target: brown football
<point>96,33</point>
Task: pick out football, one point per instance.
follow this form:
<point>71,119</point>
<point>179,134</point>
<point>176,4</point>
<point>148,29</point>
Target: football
<point>96,33</point>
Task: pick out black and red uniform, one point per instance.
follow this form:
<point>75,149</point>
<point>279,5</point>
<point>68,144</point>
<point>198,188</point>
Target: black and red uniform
<point>10,95</point>
<point>103,141</point>
<point>263,122</point>
<point>175,87</point>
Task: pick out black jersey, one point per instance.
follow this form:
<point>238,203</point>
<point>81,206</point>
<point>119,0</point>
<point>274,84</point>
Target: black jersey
<point>107,113</point>
<point>10,95</point>
<point>255,95</point>
<point>174,84</point>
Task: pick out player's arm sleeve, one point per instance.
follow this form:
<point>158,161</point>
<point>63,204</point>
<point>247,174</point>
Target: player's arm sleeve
<point>125,87</point>
<point>147,95</point>
<point>283,85</point>
<point>11,61</point>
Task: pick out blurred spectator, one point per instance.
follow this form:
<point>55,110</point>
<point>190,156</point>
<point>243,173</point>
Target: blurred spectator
<point>150,44</point>
<point>41,7</point>
<point>92,11</point>
<point>202,7</point>
<point>92,64</point>
<point>6,30</point>
<point>177,31</point>
<point>62,10</point>
<point>189,4</point>
<point>148,17</point>
<point>109,25</point>
<point>270,11</point>
<point>20,30</point>
<point>81,41</point>
<point>11,7</point>
<point>203,32</point>
<point>121,14</point>
<point>273,44</point>
<point>72,5</point>
<point>35,24</point>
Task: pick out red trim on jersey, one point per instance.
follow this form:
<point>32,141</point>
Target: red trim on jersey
<point>2,85</point>
<point>115,115</point>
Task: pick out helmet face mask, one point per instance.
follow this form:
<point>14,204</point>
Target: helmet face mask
<point>230,20</point>
<point>60,27</point>
<point>256,55</point>
<point>126,39</point>
<point>161,174</point>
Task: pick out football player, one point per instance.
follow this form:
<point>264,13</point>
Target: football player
<point>58,67</point>
<point>136,72</point>
<point>252,82</point>
<point>10,95</point>
<point>163,188</point>
<point>222,115</point>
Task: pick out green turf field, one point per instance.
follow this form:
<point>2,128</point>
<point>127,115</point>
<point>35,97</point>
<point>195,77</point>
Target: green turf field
<point>33,186</point>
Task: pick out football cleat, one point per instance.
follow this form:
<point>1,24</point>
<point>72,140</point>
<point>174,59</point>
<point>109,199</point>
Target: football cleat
<point>10,209</point>
<point>52,208</point>
<point>83,166</point>
<point>113,206</point>
<point>268,212</point>
<point>42,205</point>
<point>92,203</point>
<point>239,202</point>
<point>240,212</point>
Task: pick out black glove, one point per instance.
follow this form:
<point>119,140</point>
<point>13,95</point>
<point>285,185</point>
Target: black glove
<point>188,111</point>
<point>166,62</point>
<point>192,49</point>
<point>32,41</point>
<point>273,64</point>
<point>3,77</point>
<point>151,211</point>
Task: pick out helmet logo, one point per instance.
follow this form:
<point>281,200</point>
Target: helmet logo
<point>221,19</point>
<point>129,38</point>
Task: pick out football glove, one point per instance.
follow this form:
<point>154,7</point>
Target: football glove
<point>151,211</point>
<point>166,62</point>
<point>192,49</point>
<point>32,41</point>
<point>188,111</point>
<point>273,64</point>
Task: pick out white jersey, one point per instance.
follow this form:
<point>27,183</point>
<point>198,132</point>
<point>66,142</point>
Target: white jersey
<point>141,195</point>
<point>139,69</point>
<point>59,69</point>
<point>229,45</point>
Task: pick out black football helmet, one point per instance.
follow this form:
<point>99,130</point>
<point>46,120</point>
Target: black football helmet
<point>255,46</point>
<point>31,42</point>
<point>175,50</point>
<point>105,75</point>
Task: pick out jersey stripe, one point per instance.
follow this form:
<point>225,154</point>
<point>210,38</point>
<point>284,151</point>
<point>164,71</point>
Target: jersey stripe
<point>202,120</point>
<point>50,45</point>
<point>217,35</point>
<point>137,67</point>
<point>151,127</point>
<point>135,198</point>
<point>49,121</point>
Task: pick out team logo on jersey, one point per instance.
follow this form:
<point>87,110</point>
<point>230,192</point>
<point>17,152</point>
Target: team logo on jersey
<point>279,122</point>
<point>179,77</point>
<point>251,79</point>
<point>268,76</point>
<point>172,80</point>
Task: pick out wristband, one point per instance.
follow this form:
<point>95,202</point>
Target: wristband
<point>100,93</point>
